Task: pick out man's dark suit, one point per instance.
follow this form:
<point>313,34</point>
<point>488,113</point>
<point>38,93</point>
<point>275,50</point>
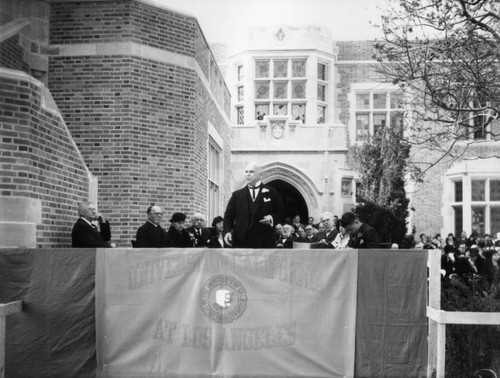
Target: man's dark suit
<point>151,236</point>
<point>242,218</point>
<point>366,237</point>
<point>84,235</point>
<point>202,238</point>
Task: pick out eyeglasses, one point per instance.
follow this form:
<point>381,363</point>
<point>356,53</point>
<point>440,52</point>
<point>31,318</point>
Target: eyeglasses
<point>157,214</point>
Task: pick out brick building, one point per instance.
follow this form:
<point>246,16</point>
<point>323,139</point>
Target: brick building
<point>126,103</point>
<point>301,99</point>
<point>140,100</point>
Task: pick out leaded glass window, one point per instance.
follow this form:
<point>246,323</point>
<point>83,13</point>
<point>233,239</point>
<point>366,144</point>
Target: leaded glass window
<point>280,109</point>
<point>458,191</point>
<point>494,190</point>
<point>478,190</point>
<point>280,89</point>
<point>298,89</point>
<point>378,122</point>
<point>477,221</point>
<point>240,115</point>
<point>240,74</point>
<point>241,94</point>
<point>280,68</point>
<point>321,114</point>
<point>379,100</point>
<point>298,68</point>
<point>377,110</point>
<point>299,112</point>
<point>362,127</point>
<point>261,110</point>
<point>321,71</point>
<point>262,68</point>
<point>362,101</point>
<point>321,92</point>
<point>262,90</point>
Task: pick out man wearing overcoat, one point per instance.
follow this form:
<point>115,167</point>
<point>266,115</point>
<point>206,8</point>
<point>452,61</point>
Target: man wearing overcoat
<point>252,213</point>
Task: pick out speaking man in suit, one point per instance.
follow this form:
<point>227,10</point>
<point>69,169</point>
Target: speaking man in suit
<point>85,233</point>
<point>252,213</point>
<point>151,234</point>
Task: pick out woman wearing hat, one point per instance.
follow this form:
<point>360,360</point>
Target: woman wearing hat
<point>178,236</point>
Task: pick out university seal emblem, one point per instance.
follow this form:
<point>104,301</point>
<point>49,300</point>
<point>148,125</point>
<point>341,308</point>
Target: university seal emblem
<point>223,299</point>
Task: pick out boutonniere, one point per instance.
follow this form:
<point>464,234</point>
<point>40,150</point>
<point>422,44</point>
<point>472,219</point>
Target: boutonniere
<point>264,190</point>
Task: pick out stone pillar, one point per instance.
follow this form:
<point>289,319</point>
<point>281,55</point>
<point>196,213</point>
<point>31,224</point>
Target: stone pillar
<point>19,217</point>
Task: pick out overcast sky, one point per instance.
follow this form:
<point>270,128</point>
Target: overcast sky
<point>227,21</point>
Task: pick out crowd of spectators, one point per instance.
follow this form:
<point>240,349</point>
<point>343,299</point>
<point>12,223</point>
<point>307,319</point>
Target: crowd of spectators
<point>472,260</point>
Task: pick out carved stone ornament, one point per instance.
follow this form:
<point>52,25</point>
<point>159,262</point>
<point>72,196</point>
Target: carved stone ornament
<point>278,128</point>
<point>263,126</point>
<point>292,126</point>
<point>280,35</point>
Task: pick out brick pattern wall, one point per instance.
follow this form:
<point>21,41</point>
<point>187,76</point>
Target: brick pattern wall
<point>141,125</point>
<point>355,50</point>
<point>39,160</point>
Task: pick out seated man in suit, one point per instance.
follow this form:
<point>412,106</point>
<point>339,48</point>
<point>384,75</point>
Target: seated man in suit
<point>362,235</point>
<point>200,234</point>
<point>286,240</point>
<point>85,233</point>
<point>151,234</point>
<point>324,239</point>
<point>252,213</point>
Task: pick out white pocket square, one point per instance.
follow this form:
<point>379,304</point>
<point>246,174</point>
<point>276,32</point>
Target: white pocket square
<point>267,199</point>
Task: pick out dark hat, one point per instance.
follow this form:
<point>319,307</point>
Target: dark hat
<point>448,248</point>
<point>216,220</point>
<point>347,219</point>
<point>178,217</point>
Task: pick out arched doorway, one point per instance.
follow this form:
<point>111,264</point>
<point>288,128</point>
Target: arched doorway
<point>293,201</point>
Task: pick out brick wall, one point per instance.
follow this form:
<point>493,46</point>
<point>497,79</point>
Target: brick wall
<point>38,159</point>
<point>141,124</point>
<point>355,50</point>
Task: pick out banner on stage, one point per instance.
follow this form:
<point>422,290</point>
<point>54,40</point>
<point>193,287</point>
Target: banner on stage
<point>201,312</point>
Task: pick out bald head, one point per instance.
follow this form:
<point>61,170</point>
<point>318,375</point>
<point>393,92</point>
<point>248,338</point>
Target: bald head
<point>253,173</point>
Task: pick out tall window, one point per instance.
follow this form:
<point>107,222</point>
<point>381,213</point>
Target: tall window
<point>240,96</point>
<point>280,88</point>
<point>375,110</point>
<point>322,93</point>
<point>481,201</point>
<point>214,179</point>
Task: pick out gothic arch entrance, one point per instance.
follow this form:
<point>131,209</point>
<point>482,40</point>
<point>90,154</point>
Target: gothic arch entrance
<point>293,201</point>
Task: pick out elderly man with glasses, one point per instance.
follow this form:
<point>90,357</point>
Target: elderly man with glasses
<point>151,234</point>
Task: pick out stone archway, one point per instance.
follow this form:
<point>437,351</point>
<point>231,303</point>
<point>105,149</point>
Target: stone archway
<point>292,200</point>
<point>296,181</point>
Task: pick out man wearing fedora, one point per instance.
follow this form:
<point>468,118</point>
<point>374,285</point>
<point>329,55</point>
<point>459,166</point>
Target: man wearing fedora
<point>179,237</point>
<point>252,213</point>
<point>151,234</point>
